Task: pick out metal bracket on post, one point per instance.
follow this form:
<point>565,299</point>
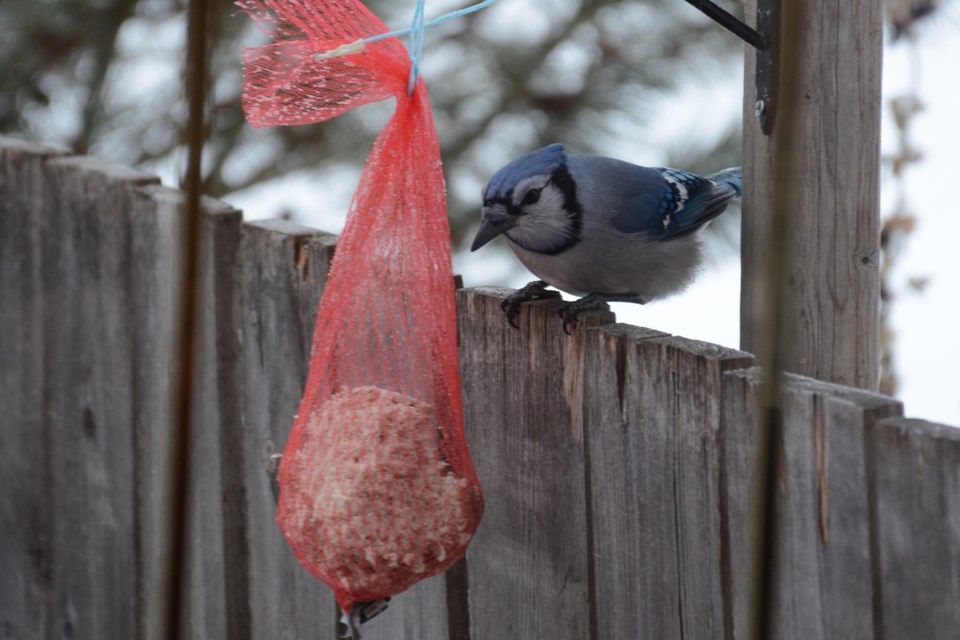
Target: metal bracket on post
<point>767,23</point>
<point>761,39</point>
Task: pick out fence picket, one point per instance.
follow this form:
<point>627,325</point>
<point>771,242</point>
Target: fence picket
<point>914,474</point>
<point>87,400</point>
<point>282,268</point>
<point>528,573</point>
<point>653,419</point>
<point>822,532</point>
<point>25,508</point>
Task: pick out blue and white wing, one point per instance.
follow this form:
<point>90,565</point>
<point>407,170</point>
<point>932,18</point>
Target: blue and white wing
<point>668,203</point>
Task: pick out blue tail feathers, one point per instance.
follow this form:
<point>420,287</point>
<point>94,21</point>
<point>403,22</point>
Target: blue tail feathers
<point>733,177</point>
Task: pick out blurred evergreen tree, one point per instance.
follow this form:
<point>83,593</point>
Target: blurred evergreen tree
<point>104,77</point>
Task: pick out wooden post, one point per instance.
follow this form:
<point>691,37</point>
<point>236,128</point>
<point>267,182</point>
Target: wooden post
<point>832,249</point>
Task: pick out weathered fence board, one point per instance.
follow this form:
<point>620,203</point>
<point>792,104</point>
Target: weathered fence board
<point>740,487</point>
<point>823,537</point>
<point>88,365</point>
<point>155,224</point>
<point>618,463</point>
<point>528,570</point>
<point>914,469</point>
<point>282,268</point>
<point>215,574</point>
<point>218,424</point>
<point>692,372</point>
<point>25,509</point>
<point>652,425</point>
<point>822,524</point>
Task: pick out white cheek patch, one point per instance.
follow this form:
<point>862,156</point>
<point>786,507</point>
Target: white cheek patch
<point>549,206</point>
<point>546,224</point>
<point>525,185</point>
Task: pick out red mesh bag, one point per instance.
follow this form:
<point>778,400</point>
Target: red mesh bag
<point>377,489</point>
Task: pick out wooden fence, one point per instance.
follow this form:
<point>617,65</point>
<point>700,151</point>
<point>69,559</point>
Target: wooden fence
<point>614,461</point>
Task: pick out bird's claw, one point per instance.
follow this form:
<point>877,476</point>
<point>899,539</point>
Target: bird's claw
<point>570,311</point>
<point>536,290</point>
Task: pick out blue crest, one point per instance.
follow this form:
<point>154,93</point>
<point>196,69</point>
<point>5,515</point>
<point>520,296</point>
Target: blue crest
<point>536,163</point>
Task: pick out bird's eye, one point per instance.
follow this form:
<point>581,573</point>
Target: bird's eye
<point>532,196</point>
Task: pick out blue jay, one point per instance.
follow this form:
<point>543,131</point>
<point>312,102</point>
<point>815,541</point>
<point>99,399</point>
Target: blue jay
<point>600,228</point>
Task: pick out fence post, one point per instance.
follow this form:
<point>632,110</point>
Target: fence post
<point>832,251</point>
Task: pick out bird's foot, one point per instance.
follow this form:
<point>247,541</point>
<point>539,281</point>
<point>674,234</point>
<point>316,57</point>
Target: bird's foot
<point>593,302</point>
<point>536,290</point>
<point>570,310</point>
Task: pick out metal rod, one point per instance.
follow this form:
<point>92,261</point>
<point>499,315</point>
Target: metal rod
<point>732,24</point>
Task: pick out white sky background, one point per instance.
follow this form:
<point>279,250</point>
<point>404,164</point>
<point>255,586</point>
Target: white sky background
<point>927,324</point>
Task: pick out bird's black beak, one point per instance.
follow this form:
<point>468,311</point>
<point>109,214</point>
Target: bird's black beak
<point>491,227</point>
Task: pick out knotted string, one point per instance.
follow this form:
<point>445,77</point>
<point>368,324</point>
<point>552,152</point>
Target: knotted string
<point>416,32</point>
<point>417,27</point>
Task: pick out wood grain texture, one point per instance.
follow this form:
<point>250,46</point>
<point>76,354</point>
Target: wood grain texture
<point>218,423</point>
<point>824,586</point>
<point>528,567</point>
<point>25,514</point>
<point>282,270</point>
<point>617,462</point>
<point>216,595</point>
<point>914,469</point>
<point>833,275</point>
<point>740,488</point>
<point>653,418</point>
<point>156,220</point>
<point>88,342</point>
<point>419,612</point>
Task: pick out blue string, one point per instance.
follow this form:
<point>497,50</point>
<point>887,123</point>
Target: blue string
<point>417,27</point>
<point>449,16</point>
<point>416,32</point>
